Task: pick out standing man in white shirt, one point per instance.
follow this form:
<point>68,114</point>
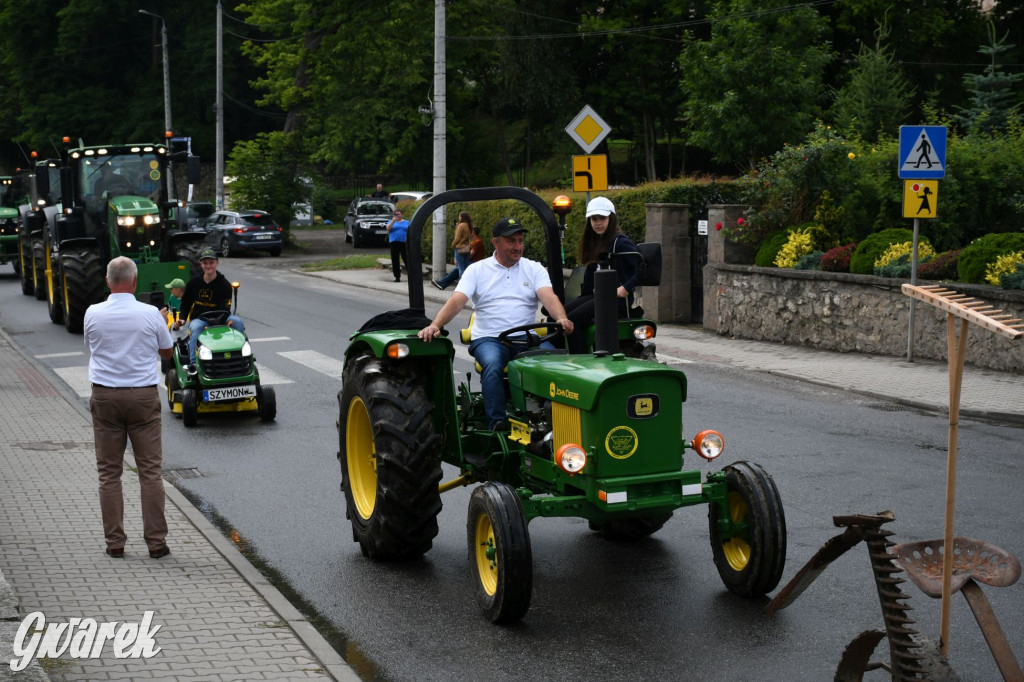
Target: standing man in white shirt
<point>505,290</point>
<point>125,338</point>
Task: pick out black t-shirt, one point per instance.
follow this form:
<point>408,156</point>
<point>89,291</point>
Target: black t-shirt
<point>200,297</point>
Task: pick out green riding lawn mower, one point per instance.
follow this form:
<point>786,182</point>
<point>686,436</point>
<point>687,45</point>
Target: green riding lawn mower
<point>224,378</point>
<point>596,436</point>
<point>114,203</point>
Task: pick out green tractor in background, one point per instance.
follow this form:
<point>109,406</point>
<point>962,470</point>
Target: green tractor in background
<point>115,203</point>
<point>39,186</point>
<point>597,436</point>
<point>10,221</point>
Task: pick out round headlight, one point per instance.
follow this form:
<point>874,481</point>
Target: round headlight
<point>709,444</point>
<point>204,353</point>
<point>571,458</point>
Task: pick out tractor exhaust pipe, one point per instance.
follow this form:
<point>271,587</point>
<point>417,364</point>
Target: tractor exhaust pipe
<point>606,309</point>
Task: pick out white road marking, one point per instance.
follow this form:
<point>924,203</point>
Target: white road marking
<point>77,378</point>
<point>271,378</point>
<point>319,362</point>
<point>661,357</point>
<point>59,355</point>
<point>270,338</point>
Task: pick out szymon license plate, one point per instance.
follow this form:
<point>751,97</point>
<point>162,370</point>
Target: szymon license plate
<point>230,393</point>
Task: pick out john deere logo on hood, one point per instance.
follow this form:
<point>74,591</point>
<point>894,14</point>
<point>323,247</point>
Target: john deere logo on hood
<point>555,391</point>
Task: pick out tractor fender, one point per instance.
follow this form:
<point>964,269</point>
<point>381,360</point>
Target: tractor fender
<point>377,342</point>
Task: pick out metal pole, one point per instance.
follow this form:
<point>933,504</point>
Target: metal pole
<point>219,165</point>
<point>913,281</point>
<point>168,126</point>
<point>440,235</point>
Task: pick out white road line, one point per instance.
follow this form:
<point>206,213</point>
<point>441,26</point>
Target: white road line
<point>77,378</point>
<point>661,357</point>
<point>270,338</point>
<point>58,355</point>
<point>270,377</point>
<point>319,362</point>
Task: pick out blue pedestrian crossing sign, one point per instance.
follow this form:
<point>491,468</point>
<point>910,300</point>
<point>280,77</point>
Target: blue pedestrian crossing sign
<point>922,152</point>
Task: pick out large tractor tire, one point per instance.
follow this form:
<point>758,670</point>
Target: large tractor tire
<point>190,252</point>
<point>750,563</point>
<point>27,267</point>
<point>500,558</point>
<point>630,530</point>
<point>388,454</point>
<point>39,269</point>
<point>82,284</point>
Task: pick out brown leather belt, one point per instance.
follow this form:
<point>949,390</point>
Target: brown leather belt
<point>123,388</point>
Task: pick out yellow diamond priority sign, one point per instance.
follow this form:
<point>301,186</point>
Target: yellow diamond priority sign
<point>588,129</point>
<point>920,198</point>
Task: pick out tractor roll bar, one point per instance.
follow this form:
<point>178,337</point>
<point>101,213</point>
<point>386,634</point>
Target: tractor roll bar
<point>427,208</point>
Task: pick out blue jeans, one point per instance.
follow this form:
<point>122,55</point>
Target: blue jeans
<point>197,325</point>
<point>461,263</point>
<point>493,356</point>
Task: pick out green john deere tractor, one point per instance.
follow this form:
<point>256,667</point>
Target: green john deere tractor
<point>40,185</point>
<point>114,203</point>
<point>10,221</point>
<point>597,436</point>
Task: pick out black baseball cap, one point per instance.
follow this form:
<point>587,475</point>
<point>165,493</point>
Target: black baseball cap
<point>506,227</point>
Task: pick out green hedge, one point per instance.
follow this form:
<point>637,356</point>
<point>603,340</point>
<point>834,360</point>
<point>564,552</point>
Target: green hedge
<point>862,262</point>
<point>977,256</point>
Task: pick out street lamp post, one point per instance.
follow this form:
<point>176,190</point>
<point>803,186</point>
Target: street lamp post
<point>167,86</point>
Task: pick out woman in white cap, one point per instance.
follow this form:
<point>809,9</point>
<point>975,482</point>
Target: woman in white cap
<point>601,235</point>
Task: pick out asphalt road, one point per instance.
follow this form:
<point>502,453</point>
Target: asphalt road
<point>652,610</point>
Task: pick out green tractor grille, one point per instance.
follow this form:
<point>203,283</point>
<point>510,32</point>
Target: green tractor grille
<point>221,367</point>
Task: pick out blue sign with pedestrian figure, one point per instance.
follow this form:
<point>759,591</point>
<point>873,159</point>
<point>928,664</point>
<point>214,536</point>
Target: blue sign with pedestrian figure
<point>922,152</point>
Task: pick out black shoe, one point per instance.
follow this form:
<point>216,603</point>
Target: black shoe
<point>437,284</point>
<point>159,553</point>
<point>398,279</point>
<point>115,552</point>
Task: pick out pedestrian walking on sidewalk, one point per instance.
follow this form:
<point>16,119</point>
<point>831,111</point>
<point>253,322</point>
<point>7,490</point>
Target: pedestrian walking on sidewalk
<point>460,245</point>
<point>125,337</point>
<point>397,229</point>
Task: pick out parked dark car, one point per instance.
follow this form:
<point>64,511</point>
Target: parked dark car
<point>366,221</point>
<point>231,232</point>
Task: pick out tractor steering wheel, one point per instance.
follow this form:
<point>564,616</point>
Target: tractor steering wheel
<point>215,317</point>
<point>532,341</point>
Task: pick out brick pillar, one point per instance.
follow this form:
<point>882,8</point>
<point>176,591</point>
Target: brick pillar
<point>669,225</point>
<point>720,249</point>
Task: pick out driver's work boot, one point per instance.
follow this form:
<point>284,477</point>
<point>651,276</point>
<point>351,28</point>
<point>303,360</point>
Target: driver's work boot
<point>192,370</point>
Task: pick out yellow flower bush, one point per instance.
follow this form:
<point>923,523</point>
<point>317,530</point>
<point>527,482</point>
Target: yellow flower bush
<point>1003,265</point>
<point>798,244</point>
<point>896,251</point>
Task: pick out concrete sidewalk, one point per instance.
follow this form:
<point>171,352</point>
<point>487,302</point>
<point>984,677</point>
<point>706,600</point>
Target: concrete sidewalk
<point>986,394</point>
<point>219,618</point>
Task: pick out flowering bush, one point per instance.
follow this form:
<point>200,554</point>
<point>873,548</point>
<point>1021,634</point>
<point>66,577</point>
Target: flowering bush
<point>838,258</point>
<point>942,266</point>
<point>896,251</point>
<point>799,244</point>
<point>1004,264</point>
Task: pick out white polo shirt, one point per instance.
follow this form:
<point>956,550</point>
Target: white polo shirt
<point>503,297</point>
<point>123,336</point>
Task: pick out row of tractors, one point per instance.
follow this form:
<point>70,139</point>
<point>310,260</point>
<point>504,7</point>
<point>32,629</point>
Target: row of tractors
<point>63,219</point>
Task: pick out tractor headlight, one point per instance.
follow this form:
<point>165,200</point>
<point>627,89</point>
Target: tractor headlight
<point>643,332</point>
<point>571,458</point>
<point>708,444</point>
<point>204,353</point>
<point>246,350</point>
<point>396,351</point>
<point>151,219</point>
<point>126,220</point>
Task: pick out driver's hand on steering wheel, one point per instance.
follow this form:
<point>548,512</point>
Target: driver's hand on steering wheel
<point>566,324</point>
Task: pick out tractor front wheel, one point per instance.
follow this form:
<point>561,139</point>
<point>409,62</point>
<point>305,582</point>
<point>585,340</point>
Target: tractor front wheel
<point>39,269</point>
<point>388,454</point>
<point>751,560</point>
<point>171,382</point>
<point>500,559</point>
<point>82,284</point>
<point>266,403</point>
<point>189,407</point>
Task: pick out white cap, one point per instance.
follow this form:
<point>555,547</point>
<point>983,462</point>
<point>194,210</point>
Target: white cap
<point>600,206</point>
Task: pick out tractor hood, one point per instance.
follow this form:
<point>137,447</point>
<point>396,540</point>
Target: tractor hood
<point>130,204</point>
<point>8,213</point>
<point>579,380</point>
<point>222,339</point>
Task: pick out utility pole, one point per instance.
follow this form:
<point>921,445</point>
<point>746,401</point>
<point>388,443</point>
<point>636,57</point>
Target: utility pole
<point>219,106</point>
<point>439,252</point>
<point>168,128</point>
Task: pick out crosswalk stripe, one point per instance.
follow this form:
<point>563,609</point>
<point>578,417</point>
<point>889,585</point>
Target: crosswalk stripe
<point>317,361</point>
<point>59,355</point>
<point>271,378</point>
<point>77,378</point>
<point>270,338</point>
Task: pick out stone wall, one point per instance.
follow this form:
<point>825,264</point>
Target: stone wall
<point>844,312</point>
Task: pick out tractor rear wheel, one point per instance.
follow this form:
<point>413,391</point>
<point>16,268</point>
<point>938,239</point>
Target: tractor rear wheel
<point>171,383</point>
<point>82,284</point>
<point>500,559</point>
<point>39,269</point>
<point>630,530</point>
<point>389,466</point>
<point>266,402</point>
<point>189,407</point>
<point>750,562</point>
